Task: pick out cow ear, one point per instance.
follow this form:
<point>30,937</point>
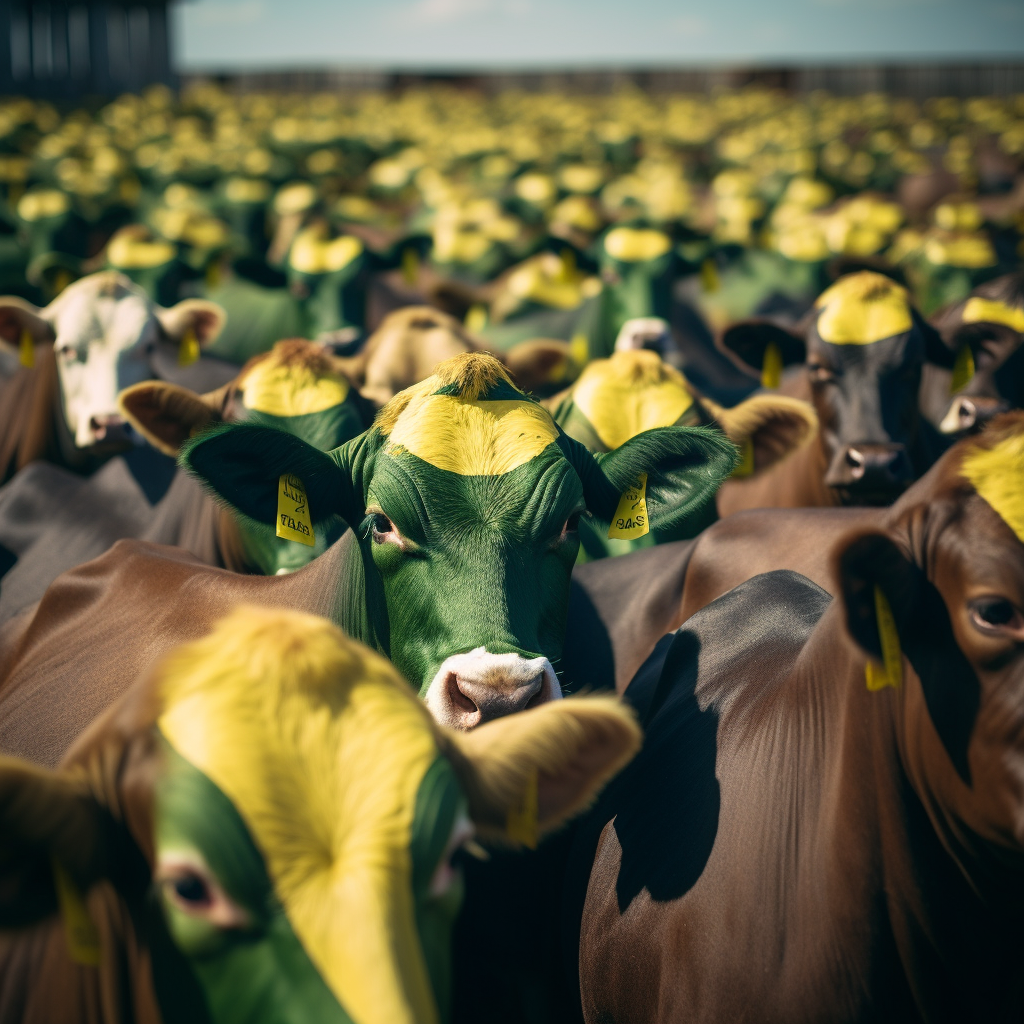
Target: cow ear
<point>46,817</point>
<point>18,316</point>
<point>525,775</point>
<point>684,468</point>
<point>206,319</point>
<point>768,427</point>
<point>935,349</point>
<point>539,364</point>
<point>864,563</point>
<point>166,415</point>
<point>747,342</point>
<point>242,464</point>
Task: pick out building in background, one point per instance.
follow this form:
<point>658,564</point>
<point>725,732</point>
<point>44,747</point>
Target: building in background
<point>66,50</point>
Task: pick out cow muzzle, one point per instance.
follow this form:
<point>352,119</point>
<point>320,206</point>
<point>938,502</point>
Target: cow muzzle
<point>972,413</point>
<point>105,429</point>
<point>870,473</point>
<point>473,688</point>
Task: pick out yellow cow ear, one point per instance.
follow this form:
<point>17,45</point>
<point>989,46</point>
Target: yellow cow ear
<point>527,774</point>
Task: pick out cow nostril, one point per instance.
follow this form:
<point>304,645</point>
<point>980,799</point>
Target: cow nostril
<point>966,413</point>
<point>458,696</point>
<point>855,460</point>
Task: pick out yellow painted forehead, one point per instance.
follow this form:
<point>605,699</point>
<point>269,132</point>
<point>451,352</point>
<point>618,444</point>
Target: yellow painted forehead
<point>863,308</point>
<point>629,393</point>
<point>470,438</point>
<point>979,310</point>
<point>321,748</point>
<point>292,389</point>
<point>997,474</point>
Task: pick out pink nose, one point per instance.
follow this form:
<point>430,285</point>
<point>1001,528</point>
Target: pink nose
<point>473,702</point>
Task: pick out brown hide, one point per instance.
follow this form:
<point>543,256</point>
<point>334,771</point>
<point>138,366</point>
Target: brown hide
<point>862,856</point>
<point>28,415</point>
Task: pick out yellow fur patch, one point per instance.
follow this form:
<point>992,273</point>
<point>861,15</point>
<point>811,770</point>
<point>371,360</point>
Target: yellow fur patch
<point>997,474</point>
<point>473,438</point>
<point>628,393</point>
<point>634,245</point>
<point>863,308</point>
<point>292,388</point>
<point>321,748</point>
<point>979,310</point>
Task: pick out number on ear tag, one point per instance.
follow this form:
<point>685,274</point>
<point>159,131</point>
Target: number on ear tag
<point>888,671</point>
<point>771,368</point>
<point>521,822</point>
<point>26,350</point>
<point>79,930</point>
<point>188,350</point>
<point>963,370</point>
<point>293,522</point>
<point>631,519</point>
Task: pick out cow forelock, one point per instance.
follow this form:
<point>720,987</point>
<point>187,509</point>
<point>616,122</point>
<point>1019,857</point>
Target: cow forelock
<point>105,329</point>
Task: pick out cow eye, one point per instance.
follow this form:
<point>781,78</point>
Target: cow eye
<point>190,886</point>
<point>69,354</point>
<point>381,528</point>
<point>995,614</point>
<point>820,374</point>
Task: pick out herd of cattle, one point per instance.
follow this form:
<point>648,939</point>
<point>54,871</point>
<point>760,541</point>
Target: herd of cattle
<point>671,449</point>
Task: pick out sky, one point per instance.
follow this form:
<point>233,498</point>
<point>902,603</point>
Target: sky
<point>237,34</point>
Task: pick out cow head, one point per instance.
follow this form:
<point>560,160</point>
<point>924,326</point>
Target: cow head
<point>985,332</point>
<point>104,331</point>
<point>296,387</point>
<point>950,567</point>
<point>635,390</point>
<point>863,347</point>
<point>279,814</point>
<point>466,500</point>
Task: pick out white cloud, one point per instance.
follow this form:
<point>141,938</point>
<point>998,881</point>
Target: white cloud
<point>243,12</point>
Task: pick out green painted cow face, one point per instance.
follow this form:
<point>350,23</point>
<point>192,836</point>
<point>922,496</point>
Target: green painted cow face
<point>466,498</point>
<point>297,388</point>
<point>292,813</point>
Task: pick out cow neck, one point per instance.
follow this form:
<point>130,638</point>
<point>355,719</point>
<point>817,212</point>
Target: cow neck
<point>867,842</point>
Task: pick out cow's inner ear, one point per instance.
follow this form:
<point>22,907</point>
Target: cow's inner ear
<point>18,316</point>
<point>242,464</point>
<point>747,342</point>
<point>46,817</point>
<point>205,319</point>
<point>866,562</point>
<point>684,467</point>
<point>935,349</point>
<point>166,415</point>
<point>526,774</point>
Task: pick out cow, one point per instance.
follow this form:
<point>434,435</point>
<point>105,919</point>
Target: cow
<point>410,342</point>
<point>300,867</point>
<point>463,499</point>
<point>859,357</point>
<point>52,520</point>
<point>615,399</point>
<point>827,819</point>
<point>100,335</point>
<point>985,332</point>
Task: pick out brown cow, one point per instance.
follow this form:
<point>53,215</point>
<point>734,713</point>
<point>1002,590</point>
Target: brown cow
<point>827,819</point>
<point>411,341</point>
<point>860,352</point>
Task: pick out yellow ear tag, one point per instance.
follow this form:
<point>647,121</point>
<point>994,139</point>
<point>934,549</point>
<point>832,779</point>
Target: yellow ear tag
<point>82,937</point>
<point>963,370</point>
<point>213,274</point>
<point>188,350</point>
<point>476,318</point>
<point>771,368</point>
<point>709,280</point>
<point>630,519</point>
<point>63,279</point>
<point>579,349</point>
<point>888,671</point>
<point>410,266</point>
<point>521,822</point>
<point>26,350</point>
<point>293,522</point>
<point>745,467</point>
<point>568,268</point>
